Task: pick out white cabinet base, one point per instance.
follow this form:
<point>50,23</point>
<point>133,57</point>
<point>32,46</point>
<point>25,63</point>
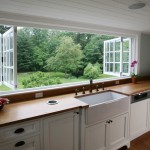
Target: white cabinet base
<point>139,118</point>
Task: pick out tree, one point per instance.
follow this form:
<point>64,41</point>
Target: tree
<point>92,71</point>
<point>67,58</point>
<point>93,51</point>
<point>24,51</point>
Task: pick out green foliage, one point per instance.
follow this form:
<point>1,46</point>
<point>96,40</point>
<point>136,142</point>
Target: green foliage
<point>92,71</point>
<point>67,58</point>
<point>93,51</point>
<point>25,52</point>
<point>3,29</point>
<point>40,79</point>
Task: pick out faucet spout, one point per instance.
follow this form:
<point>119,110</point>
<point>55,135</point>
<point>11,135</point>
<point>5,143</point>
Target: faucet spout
<point>91,84</point>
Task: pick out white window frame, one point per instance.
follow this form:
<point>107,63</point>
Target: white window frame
<point>109,52</point>
<point>82,29</point>
<point>9,64</point>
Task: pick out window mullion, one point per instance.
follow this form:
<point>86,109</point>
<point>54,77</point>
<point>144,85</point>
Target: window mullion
<point>121,56</point>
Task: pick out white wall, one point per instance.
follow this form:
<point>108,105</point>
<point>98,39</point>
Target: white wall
<point>145,54</point>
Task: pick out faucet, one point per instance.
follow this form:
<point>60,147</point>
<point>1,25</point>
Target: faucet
<point>91,84</point>
<point>103,88</point>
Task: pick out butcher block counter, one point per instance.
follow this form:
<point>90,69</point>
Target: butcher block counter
<point>26,110</point>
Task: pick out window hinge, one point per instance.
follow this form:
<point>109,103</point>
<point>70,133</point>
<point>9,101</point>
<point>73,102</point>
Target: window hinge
<point>2,77</point>
<point>2,59</point>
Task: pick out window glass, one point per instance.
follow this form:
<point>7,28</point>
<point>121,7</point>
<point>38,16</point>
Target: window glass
<point>117,46</point>
<point>125,45</point>
<point>117,57</point>
<point>47,57</point>
<point>120,55</point>
<point>117,67</point>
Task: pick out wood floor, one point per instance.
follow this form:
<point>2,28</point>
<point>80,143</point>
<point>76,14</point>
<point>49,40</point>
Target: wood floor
<point>141,143</point>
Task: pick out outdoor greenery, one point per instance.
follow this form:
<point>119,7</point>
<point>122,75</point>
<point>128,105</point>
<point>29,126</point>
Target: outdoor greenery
<point>35,79</point>
<point>77,55</point>
<point>46,57</point>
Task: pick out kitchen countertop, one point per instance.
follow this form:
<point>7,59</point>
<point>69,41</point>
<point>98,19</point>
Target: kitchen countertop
<point>21,111</point>
<point>131,88</point>
<point>18,112</point>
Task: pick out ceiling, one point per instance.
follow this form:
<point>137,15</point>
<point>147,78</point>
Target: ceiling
<point>112,13</point>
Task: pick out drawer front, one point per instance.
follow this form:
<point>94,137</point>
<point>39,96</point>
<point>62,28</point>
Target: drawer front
<point>18,130</point>
<point>32,143</point>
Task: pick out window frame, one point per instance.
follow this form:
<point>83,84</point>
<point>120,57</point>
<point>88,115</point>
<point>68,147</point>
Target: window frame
<point>113,62</point>
<point>105,31</point>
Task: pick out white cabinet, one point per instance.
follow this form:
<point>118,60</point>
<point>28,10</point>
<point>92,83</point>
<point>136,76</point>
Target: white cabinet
<point>95,137</point>
<point>21,136</point>
<point>118,132</point>
<point>108,135</point>
<point>139,118</point>
<point>61,132</point>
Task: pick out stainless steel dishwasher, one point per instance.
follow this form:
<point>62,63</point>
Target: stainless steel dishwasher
<point>139,114</point>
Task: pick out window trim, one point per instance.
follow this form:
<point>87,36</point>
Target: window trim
<point>37,22</point>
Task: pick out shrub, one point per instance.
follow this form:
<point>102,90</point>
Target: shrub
<point>92,71</point>
<point>40,79</point>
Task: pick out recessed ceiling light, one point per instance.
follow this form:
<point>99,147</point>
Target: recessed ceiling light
<point>137,5</point>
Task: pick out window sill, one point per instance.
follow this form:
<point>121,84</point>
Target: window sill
<point>60,89</point>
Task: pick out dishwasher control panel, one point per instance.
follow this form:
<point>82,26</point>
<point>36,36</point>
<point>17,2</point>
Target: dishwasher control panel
<point>140,96</point>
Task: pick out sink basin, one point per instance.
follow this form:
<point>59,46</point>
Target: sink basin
<point>104,105</point>
<point>105,97</point>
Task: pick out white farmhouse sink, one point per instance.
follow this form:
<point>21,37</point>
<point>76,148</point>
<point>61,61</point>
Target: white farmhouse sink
<point>104,105</point>
<point>105,97</point>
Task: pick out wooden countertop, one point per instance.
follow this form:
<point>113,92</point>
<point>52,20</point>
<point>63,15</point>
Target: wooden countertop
<point>18,112</point>
<point>131,88</point>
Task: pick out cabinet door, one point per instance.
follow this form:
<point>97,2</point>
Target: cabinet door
<point>118,131</point>
<point>95,137</point>
<point>61,132</point>
<point>139,119</point>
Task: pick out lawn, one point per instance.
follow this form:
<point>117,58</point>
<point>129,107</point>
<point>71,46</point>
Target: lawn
<point>60,75</point>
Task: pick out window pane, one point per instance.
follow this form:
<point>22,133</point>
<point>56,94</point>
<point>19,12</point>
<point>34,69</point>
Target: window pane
<point>106,57</point>
<point>125,57</point>
<point>117,57</point>
<point>125,45</point>
<point>117,67</point>
<point>111,57</point>
<point>117,46</point>
<point>111,46</point>
<point>125,67</point>
<point>11,76</point>
<point>11,40</point>
<point>107,67</point>
<point>11,58</point>
<point>107,46</point>
<point>111,67</point>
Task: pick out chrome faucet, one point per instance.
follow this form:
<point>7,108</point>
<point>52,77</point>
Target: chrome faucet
<point>91,84</point>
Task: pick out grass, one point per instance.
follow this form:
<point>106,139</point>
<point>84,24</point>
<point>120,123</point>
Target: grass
<point>60,75</point>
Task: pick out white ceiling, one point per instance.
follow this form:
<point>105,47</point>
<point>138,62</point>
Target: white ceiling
<point>112,13</point>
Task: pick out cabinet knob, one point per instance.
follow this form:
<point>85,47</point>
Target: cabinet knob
<point>20,143</point>
<point>109,121</point>
<point>19,130</point>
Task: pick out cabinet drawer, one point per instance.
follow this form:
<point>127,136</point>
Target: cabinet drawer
<point>18,130</point>
<point>32,143</point>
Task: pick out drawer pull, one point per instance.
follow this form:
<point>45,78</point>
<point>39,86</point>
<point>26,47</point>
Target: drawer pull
<point>20,130</point>
<point>21,143</point>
